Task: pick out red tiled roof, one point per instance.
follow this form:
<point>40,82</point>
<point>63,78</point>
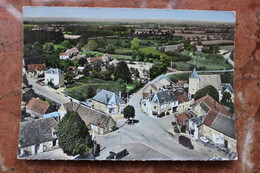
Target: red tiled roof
<point>71,68</point>
<point>38,106</point>
<point>213,105</point>
<point>95,59</point>
<point>210,117</point>
<point>182,117</point>
<point>63,53</point>
<point>182,82</point>
<point>182,98</point>
<point>36,67</point>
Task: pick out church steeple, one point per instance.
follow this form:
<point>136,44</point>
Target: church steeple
<point>194,74</point>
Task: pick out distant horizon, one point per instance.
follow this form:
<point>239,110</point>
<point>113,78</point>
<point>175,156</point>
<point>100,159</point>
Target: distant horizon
<point>126,14</point>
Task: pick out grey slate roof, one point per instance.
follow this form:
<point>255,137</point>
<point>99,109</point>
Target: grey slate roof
<point>194,74</point>
<point>198,120</point>
<point>165,97</point>
<point>227,86</point>
<point>225,125</point>
<point>36,131</point>
<point>204,107</point>
<point>213,79</point>
<point>162,77</point>
<point>88,115</point>
<point>107,97</point>
<point>54,71</point>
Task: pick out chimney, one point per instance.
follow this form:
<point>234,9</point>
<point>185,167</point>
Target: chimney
<point>107,97</point>
<point>119,94</point>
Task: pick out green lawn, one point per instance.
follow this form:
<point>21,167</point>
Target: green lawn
<point>73,89</point>
<point>148,50</point>
<point>119,57</point>
<point>210,61</point>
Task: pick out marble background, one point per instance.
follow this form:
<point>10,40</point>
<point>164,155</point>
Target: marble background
<point>247,88</point>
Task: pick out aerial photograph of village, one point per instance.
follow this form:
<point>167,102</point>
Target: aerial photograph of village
<point>127,84</point>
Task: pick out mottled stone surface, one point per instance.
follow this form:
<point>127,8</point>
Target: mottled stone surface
<point>247,88</point>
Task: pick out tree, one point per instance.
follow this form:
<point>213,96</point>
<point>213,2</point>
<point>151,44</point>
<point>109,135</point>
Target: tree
<point>129,112</point>
<point>92,45</point>
<point>66,44</point>
<point>48,48</point>
<point>135,44</point>
<point>82,61</point>
<point>110,48</point>
<point>73,135</point>
<point>226,98</point>
<point>208,90</point>
<point>214,49</point>
<point>122,71</point>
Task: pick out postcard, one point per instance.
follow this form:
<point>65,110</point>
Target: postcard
<point>127,84</point>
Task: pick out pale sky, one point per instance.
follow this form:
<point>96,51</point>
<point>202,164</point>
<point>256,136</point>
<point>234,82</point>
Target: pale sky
<point>127,13</point>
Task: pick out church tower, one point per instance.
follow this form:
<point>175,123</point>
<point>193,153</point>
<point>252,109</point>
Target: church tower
<point>193,83</point>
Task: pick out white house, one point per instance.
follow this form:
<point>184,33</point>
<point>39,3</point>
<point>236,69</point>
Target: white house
<point>64,55</point>
<point>161,102</point>
<point>54,77</point>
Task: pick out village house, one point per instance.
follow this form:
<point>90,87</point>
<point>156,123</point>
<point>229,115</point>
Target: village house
<point>194,124</point>
<point>109,103</point>
<point>183,103</point>
<point>35,70</point>
<point>183,121</point>
<point>54,77</point>
<point>197,82</point>
<point>37,108</point>
<point>73,70</point>
<point>37,136</point>
<point>220,129</point>
<point>162,81</point>
<point>94,60</point>
<point>161,103</point>
<point>148,89</point>
<point>98,122</point>
<point>72,52</point>
<point>64,55</point>
<point>207,103</point>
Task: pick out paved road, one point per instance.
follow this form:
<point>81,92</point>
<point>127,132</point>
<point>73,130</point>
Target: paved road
<point>227,57</point>
<point>149,131</point>
<point>48,92</point>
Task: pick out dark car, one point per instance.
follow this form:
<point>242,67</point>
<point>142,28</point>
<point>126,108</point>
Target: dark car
<point>185,142</point>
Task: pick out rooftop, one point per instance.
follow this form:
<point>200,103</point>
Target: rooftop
<point>36,67</point>
<point>212,104</point>
<point>194,74</point>
<point>54,71</point>
<point>163,97</point>
<point>36,131</point>
<point>182,98</point>
<point>225,125</point>
<point>213,80</point>
<point>107,98</point>
<point>88,115</point>
<point>38,106</point>
<point>182,117</point>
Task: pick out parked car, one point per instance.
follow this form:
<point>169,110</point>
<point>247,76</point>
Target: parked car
<point>204,139</point>
<point>184,141</point>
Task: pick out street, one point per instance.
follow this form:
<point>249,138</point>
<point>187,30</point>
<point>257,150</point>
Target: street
<point>48,92</point>
<point>149,131</point>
